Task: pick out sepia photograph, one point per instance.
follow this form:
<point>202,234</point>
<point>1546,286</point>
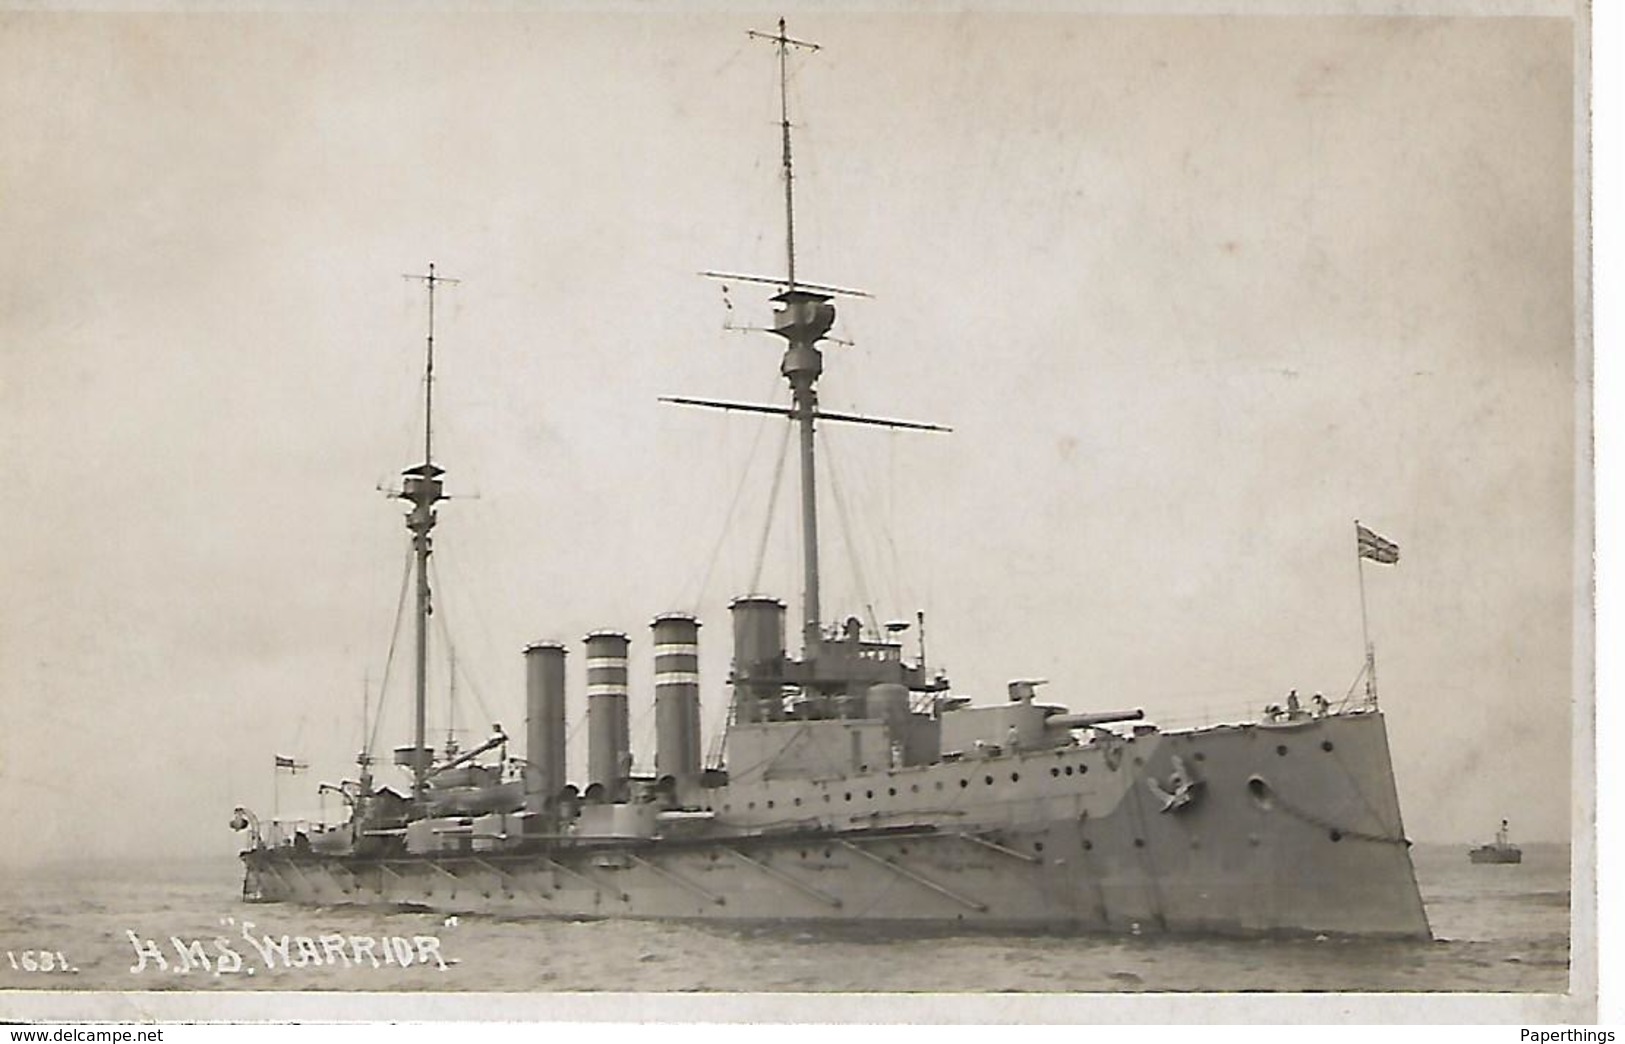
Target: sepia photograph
<point>691,512</point>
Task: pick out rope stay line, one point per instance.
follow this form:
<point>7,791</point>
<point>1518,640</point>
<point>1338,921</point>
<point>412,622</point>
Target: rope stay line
<point>772,509</point>
<point>727,518</point>
<point>854,559</point>
<point>394,641</point>
<point>457,663</point>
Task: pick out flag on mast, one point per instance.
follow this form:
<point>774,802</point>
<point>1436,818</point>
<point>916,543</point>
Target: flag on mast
<point>1378,549</point>
<point>290,764</point>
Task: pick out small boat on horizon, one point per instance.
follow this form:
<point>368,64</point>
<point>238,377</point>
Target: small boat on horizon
<point>1498,851</point>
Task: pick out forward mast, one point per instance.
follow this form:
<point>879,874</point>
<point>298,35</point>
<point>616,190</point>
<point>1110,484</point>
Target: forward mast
<point>423,487</point>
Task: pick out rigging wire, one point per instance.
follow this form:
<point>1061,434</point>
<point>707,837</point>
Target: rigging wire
<point>643,726</point>
<point>570,735</point>
<point>394,640</point>
<point>728,62</point>
<point>852,555</point>
<point>299,731</point>
<point>475,608</point>
<point>891,562</point>
<point>1347,696</point>
<point>451,647</point>
<point>719,735</point>
<point>772,508</point>
<point>719,731</point>
<point>727,518</point>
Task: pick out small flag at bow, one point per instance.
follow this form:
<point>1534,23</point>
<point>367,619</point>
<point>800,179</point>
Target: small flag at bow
<point>1374,547</point>
<point>289,764</point>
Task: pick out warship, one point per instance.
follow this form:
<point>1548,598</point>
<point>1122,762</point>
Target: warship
<point>853,783</point>
<point>1501,850</point>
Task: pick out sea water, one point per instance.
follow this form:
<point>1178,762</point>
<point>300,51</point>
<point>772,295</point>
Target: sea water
<point>183,926</point>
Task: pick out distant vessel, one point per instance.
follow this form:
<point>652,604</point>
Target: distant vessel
<point>856,786</point>
<point>1498,851</point>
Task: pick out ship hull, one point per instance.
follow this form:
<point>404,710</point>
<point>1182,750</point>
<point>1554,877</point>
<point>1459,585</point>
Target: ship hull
<point>1495,855</point>
<point>1285,830</point>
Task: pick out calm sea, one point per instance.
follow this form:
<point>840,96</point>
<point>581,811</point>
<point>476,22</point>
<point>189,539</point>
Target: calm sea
<point>1498,929</point>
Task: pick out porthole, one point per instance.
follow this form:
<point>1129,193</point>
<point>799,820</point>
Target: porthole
<point>988,780</point>
<point>1038,846</point>
<point>1069,770</point>
<point>1055,772</point>
<point>1082,769</point>
<point>1281,749</point>
<point>797,802</point>
<point>1326,745</point>
<point>869,794</point>
<point>1337,835</point>
<point>914,788</point>
<point>770,804</point>
<point>891,791</point>
<point>826,799</point>
<point>847,795</point>
<point>1015,777</point>
<point>939,784</point>
<point>1088,844</point>
<point>1139,842</point>
<point>1199,756</point>
<point>902,850</point>
<point>964,783</point>
<point>750,805</point>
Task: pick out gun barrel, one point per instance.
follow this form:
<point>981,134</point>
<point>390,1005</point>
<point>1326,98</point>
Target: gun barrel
<point>496,740</point>
<point>1083,721</point>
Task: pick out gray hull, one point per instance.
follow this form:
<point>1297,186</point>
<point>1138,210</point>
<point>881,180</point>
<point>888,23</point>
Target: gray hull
<point>1285,829</point>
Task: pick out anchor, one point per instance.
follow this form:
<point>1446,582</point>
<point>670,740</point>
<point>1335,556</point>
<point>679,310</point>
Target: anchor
<point>1181,787</point>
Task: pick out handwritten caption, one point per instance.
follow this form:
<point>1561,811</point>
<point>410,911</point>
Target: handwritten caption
<point>222,956</point>
<point>39,961</point>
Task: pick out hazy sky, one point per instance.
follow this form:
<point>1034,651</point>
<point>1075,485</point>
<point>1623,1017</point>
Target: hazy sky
<point>1194,293</point>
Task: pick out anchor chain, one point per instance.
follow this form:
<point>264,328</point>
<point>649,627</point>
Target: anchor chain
<point>1339,832</point>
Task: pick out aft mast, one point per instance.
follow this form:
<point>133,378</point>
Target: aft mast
<point>423,489</point>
